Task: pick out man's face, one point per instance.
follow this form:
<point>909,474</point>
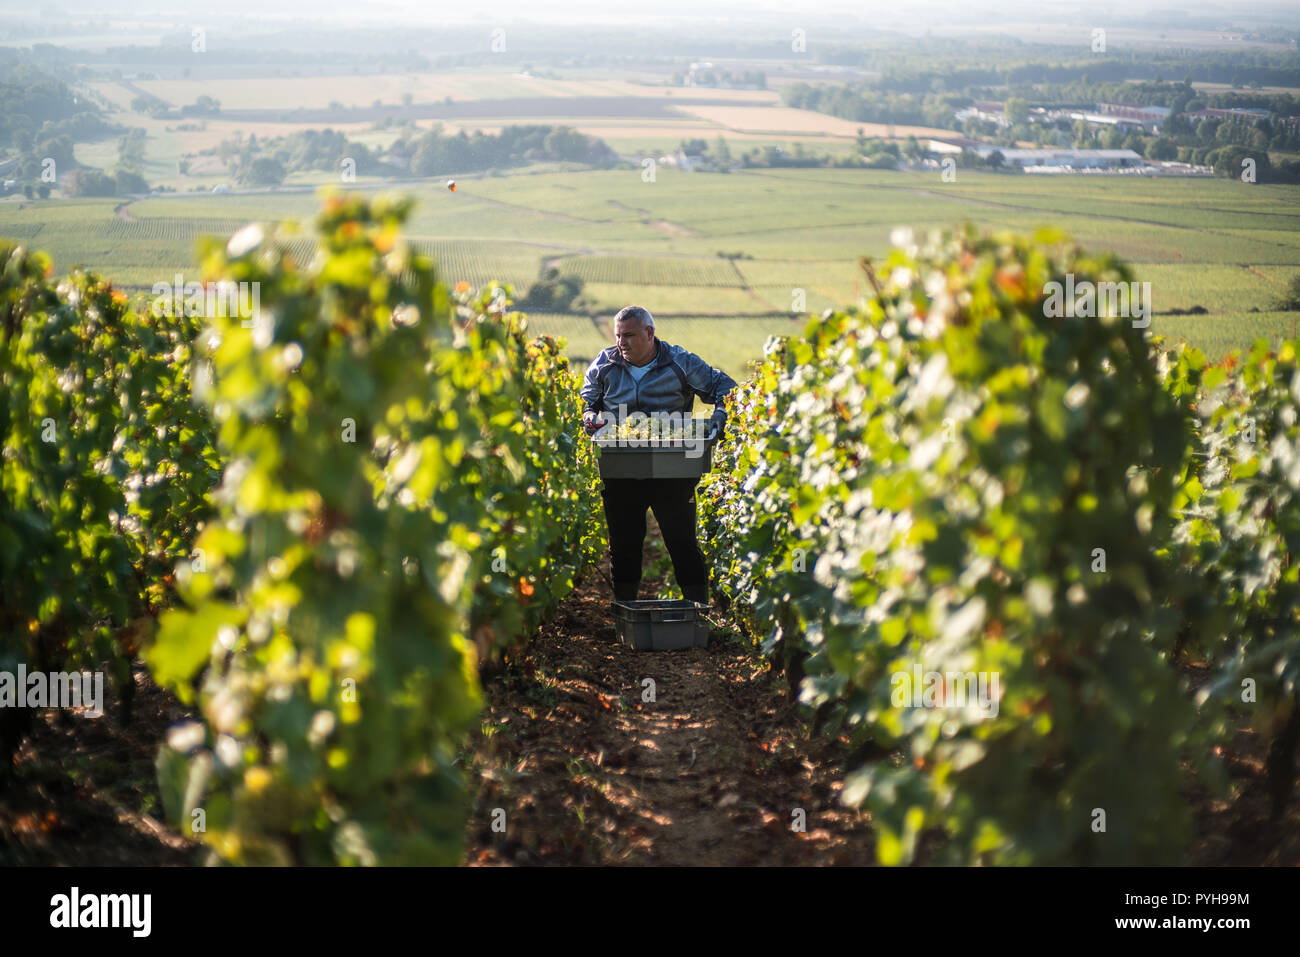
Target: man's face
<point>635,342</point>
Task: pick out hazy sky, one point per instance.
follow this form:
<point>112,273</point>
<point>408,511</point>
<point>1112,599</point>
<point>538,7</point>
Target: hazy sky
<point>919,11</point>
<point>1132,22</point>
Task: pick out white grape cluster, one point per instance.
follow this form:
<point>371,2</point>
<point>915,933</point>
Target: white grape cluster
<point>647,429</point>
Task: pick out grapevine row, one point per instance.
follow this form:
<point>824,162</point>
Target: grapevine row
<point>950,482</point>
<point>403,499</point>
<point>107,465</point>
<point>338,511</point>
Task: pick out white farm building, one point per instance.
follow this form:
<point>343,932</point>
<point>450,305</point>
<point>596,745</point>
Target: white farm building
<point>1065,158</point>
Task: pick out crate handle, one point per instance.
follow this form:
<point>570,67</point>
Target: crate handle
<point>684,617</point>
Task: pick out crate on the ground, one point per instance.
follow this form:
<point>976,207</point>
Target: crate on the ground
<point>661,625</point>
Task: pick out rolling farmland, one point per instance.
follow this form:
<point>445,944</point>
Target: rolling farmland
<point>1223,247</point>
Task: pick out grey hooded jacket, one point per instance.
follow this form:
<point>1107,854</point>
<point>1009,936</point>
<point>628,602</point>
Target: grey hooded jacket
<point>673,380</point>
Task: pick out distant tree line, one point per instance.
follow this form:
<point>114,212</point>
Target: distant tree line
<point>202,106</point>
<point>863,103</point>
<point>431,153</point>
<point>935,66</point>
<point>30,98</point>
<point>555,293</point>
<point>437,152</point>
<point>723,78</point>
<point>93,182</point>
<point>42,119</point>
<point>871,153</point>
<point>269,161</point>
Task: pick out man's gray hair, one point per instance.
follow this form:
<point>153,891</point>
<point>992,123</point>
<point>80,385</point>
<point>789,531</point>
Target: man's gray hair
<point>637,313</point>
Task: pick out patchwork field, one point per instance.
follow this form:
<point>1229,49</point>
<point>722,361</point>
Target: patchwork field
<point>758,119</point>
<point>634,116</point>
<point>791,239</point>
<point>317,92</point>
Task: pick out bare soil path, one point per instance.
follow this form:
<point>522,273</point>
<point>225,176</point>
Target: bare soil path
<point>601,754</point>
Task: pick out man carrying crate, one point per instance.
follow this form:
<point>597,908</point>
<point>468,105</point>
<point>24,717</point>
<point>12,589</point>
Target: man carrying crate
<point>642,373</point>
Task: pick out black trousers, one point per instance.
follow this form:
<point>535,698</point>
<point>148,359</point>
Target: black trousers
<point>673,501</point>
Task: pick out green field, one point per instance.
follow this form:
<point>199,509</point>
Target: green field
<point>1226,247</point>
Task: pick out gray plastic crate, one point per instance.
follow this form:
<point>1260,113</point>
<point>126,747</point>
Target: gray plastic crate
<point>657,458</point>
<point>661,625</point>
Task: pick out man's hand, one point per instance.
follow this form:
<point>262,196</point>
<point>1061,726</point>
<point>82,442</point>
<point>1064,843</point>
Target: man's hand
<point>592,421</point>
<point>717,422</point>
